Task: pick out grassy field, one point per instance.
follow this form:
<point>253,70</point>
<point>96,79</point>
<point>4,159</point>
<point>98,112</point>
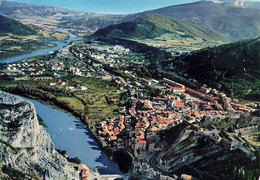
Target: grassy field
<point>91,104</point>
<point>178,42</point>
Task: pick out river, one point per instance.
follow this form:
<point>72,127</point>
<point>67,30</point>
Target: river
<point>69,133</point>
<point>59,45</point>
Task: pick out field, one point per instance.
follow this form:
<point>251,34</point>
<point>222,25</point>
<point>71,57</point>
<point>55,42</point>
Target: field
<point>90,105</point>
<point>178,42</point>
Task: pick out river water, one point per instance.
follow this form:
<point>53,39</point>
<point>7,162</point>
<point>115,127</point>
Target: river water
<point>59,45</point>
<point>69,133</point>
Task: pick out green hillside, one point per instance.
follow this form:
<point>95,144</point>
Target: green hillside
<point>12,26</point>
<point>155,26</point>
<point>239,23</point>
<point>234,67</point>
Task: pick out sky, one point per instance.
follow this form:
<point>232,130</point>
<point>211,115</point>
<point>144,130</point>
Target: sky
<point>109,6</point>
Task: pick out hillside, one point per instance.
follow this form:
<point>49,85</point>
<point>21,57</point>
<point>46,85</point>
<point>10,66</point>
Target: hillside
<point>239,23</point>
<point>234,67</point>
<point>12,26</point>
<point>155,26</point>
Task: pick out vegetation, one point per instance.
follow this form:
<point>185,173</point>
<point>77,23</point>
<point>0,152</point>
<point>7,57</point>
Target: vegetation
<point>238,23</point>
<point>17,38</point>
<point>12,26</point>
<point>151,54</point>
<point>234,67</point>
<point>90,105</point>
<point>41,121</point>
<point>155,26</point>
<point>75,160</point>
<point>19,46</point>
<point>249,172</point>
<point>14,174</point>
<point>256,113</point>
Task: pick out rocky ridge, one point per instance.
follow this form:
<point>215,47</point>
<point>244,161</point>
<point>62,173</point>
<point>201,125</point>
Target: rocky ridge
<point>25,145</point>
<point>204,154</point>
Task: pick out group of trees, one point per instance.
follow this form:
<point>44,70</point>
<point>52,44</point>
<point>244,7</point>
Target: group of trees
<point>234,66</point>
<point>48,96</point>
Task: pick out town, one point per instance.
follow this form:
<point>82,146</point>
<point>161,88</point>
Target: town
<point>146,111</point>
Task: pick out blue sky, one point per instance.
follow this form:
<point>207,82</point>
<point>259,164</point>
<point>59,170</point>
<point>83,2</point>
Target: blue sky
<point>108,6</point>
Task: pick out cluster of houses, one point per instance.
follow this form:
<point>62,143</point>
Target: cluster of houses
<point>176,103</point>
<point>146,116</point>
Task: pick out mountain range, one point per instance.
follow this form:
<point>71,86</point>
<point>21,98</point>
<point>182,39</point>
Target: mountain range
<point>155,26</point>
<point>238,20</point>
<point>239,23</point>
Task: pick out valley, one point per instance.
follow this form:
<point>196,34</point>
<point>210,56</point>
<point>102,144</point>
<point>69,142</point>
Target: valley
<point>163,98</point>
<point>18,39</point>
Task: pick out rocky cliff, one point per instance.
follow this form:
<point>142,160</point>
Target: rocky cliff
<point>203,154</point>
<point>25,145</point>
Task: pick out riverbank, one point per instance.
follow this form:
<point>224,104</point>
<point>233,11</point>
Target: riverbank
<point>97,90</point>
<point>56,45</point>
<point>12,46</point>
<point>120,157</point>
<point>68,133</point>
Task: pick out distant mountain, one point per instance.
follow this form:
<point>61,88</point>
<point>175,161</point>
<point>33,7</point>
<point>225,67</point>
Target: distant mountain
<point>12,26</point>
<point>24,10</point>
<point>43,16</point>
<point>235,67</point>
<point>239,3</point>
<point>93,23</point>
<point>240,20</point>
<point>155,26</point>
<point>239,23</point>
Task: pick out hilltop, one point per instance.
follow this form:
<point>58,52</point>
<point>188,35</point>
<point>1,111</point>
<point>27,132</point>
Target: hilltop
<point>156,26</point>
<point>8,25</point>
<point>234,67</point>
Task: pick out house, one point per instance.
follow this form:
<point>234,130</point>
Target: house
<point>83,88</point>
<point>205,90</point>
<point>172,83</point>
<point>186,177</point>
<point>185,96</point>
<point>178,90</point>
<point>145,81</point>
<point>84,174</point>
<point>157,99</point>
<point>141,145</point>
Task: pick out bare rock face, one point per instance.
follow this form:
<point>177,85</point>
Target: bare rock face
<point>25,145</point>
<point>203,154</point>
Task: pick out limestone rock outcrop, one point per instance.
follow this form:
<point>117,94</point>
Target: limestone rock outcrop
<point>25,145</point>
